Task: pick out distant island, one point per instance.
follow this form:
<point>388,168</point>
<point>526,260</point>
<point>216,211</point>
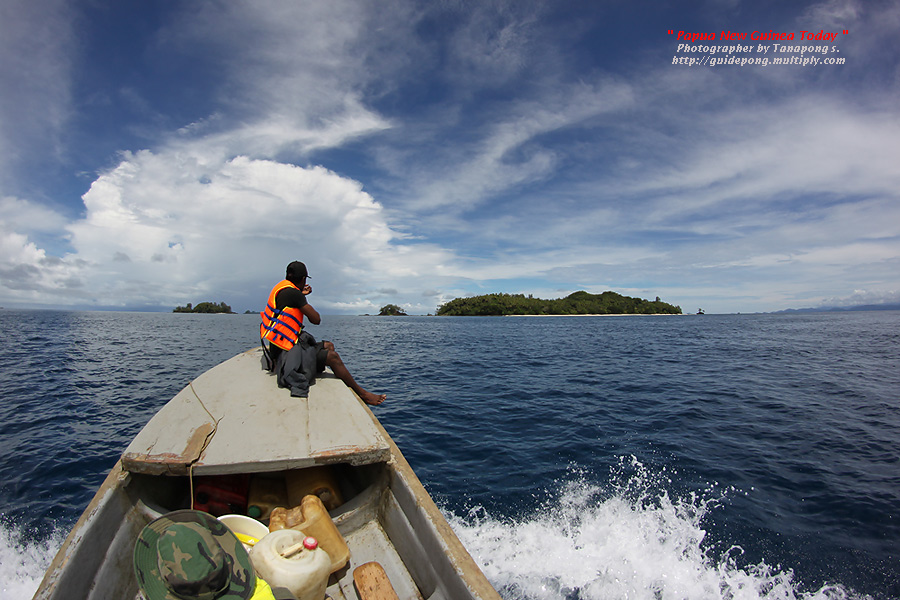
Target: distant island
<point>391,310</point>
<point>856,308</point>
<point>579,303</point>
<point>205,307</point>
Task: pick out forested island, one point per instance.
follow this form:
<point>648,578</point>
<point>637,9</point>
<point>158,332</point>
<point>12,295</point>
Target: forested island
<point>391,310</point>
<point>579,303</point>
<point>204,307</point>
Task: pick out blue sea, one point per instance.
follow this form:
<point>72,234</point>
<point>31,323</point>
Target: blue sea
<point>657,457</point>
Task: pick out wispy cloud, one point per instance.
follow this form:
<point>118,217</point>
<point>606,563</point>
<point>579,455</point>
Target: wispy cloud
<point>445,149</point>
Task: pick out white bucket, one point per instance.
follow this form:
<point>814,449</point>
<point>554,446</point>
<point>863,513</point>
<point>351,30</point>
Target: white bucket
<point>248,530</point>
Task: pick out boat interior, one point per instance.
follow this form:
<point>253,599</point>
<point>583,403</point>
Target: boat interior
<point>380,519</point>
<point>369,519</point>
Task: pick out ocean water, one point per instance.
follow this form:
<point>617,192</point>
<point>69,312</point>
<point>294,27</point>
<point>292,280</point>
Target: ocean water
<point>715,456</point>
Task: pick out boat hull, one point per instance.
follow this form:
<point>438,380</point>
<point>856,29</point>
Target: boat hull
<point>388,516</point>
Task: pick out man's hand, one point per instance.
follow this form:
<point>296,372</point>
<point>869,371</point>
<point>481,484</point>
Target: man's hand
<point>307,290</point>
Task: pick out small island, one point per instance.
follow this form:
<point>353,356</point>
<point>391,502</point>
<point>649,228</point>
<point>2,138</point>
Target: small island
<point>578,303</point>
<point>391,310</point>
<point>205,307</point>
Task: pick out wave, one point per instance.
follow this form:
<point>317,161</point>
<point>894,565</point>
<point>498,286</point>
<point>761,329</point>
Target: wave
<point>23,561</point>
<point>628,539</point>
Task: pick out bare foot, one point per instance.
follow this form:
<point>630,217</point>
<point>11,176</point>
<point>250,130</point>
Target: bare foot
<point>373,399</point>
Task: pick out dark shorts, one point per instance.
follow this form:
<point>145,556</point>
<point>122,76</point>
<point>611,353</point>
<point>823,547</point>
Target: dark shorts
<point>321,356</point>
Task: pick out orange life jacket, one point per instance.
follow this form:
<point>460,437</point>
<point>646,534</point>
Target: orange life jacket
<point>281,327</point>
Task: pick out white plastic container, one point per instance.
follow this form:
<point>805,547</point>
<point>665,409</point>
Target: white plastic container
<point>311,518</point>
<point>304,573</point>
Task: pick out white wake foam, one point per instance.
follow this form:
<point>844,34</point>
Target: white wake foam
<point>23,562</point>
<point>628,541</point>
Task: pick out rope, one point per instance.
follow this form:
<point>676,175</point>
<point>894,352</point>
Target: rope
<point>206,443</point>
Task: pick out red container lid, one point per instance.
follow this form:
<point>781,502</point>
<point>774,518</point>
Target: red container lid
<point>310,543</point>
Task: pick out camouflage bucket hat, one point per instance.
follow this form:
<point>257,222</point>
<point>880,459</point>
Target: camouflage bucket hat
<point>190,555</point>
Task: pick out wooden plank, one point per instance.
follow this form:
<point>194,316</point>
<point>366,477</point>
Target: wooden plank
<point>338,424</point>
<point>372,582</point>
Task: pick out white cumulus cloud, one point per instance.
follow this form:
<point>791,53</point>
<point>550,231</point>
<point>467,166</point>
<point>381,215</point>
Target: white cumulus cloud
<point>173,225</point>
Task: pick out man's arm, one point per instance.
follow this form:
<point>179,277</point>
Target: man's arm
<point>311,314</point>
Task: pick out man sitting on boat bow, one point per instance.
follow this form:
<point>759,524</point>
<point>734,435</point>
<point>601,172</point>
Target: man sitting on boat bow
<point>294,355</point>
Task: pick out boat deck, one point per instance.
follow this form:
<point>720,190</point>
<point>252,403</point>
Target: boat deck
<point>234,420</point>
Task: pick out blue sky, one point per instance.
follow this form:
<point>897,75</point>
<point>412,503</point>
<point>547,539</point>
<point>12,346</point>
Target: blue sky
<point>156,153</point>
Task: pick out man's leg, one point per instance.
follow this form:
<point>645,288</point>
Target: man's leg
<point>341,372</point>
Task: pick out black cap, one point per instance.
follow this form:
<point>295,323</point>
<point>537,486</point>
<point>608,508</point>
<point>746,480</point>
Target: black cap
<point>296,271</point>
